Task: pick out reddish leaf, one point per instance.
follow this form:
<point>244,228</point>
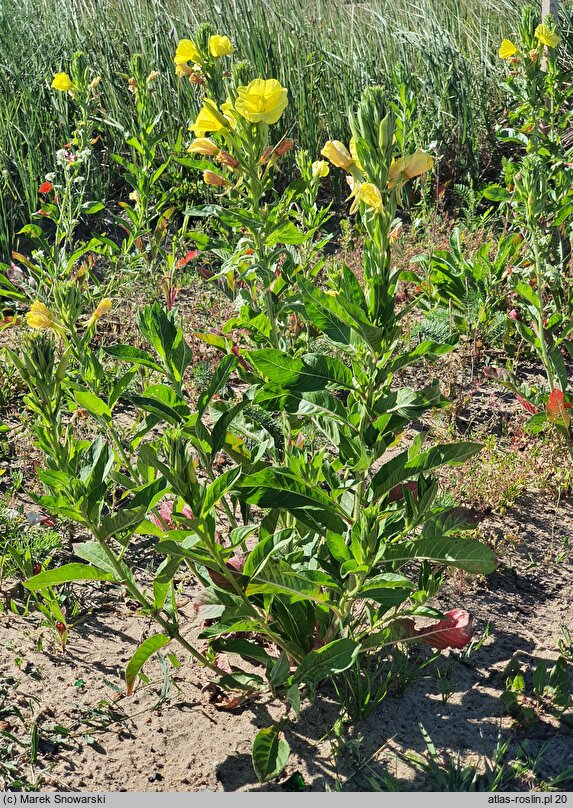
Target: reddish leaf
<point>454,631</point>
<point>527,405</point>
<point>556,409</point>
<point>188,257</point>
<point>165,511</point>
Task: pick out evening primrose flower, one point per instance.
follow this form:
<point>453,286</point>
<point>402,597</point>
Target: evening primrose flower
<point>220,46</point>
<point>209,119</point>
<point>187,51</point>
<point>546,36</point>
<point>261,101</point>
<point>101,310</point>
<point>409,167</point>
<point>203,145</point>
<point>62,82</point>
<point>369,195</point>
<point>320,169</point>
<point>507,49</point>
<point>40,317</point>
<point>337,153</point>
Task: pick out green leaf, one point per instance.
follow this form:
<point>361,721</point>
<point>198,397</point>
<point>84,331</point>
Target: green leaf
<point>127,353</point>
<point>402,467</point>
<point>218,488</point>
<point>111,526</point>
<point>332,658</point>
<point>65,575</point>
<point>275,488</point>
<point>495,193</point>
<point>264,550</point>
<point>158,408</point>
<point>245,649</point>
<point>280,578</point>
<point>311,372</point>
<point>147,648</point>
<point>270,753</point>
<point>343,311</point>
<point>287,233</point>
<point>466,554</point>
<point>92,207</point>
<point>93,404</point>
<point>224,370</point>
<point>94,553</point>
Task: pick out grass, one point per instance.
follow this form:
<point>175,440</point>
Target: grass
<point>447,51</point>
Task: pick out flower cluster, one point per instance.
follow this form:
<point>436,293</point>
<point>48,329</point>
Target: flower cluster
<point>545,38</point>
<point>363,191</point>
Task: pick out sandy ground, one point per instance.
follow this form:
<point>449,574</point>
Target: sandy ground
<point>178,740</point>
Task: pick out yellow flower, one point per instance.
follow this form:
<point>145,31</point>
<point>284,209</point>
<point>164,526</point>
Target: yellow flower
<point>62,82</point>
<point>320,169</point>
<point>507,49</point>
<point>262,101</point>
<point>186,52</point>
<point>211,178</point>
<point>338,154</point>
<point>220,46</point>
<point>40,317</point>
<point>369,195</point>
<point>102,309</point>
<point>209,119</point>
<point>203,145</point>
<point>546,36</point>
<point>412,166</point>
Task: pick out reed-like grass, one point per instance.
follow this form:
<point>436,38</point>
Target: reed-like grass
<point>325,52</point>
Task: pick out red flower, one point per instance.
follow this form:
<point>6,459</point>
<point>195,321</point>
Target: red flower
<point>45,187</point>
<point>454,631</point>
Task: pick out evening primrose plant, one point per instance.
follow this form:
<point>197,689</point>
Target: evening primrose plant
<point>236,148</point>
<point>318,556</point>
<point>538,202</point>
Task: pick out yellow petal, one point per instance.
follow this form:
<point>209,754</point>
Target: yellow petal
<point>209,119</point>
<point>337,153</point>
<point>320,169</point>
<point>546,36</point>
<point>370,195</point>
<point>262,101</point>
<point>62,82</point>
<point>186,52</point>
<point>507,49</point>
<point>220,46</point>
<point>203,145</point>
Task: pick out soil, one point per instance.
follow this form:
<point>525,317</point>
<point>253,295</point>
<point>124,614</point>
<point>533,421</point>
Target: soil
<point>184,742</point>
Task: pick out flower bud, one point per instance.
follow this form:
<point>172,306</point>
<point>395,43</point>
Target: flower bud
<point>211,178</point>
<point>284,146</point>
<point>227,159</point>
<point>203,145</point>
